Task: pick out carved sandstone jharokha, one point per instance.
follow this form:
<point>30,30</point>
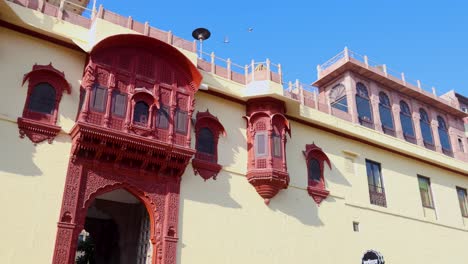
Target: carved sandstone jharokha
<point>266,144</point>
<point>132,132</point>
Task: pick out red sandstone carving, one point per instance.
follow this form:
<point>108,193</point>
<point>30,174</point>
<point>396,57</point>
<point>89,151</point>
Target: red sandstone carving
<point>206,164</point>
<point>316,189</point>
<point>41,126</point>
<point>267,168</point>
<point>111,152</point>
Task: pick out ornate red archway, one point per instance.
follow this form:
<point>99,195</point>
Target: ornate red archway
<point>110,151</point>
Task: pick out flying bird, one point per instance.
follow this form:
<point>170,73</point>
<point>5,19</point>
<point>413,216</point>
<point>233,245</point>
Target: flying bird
<point>226,40</point>
<point>250,29</point>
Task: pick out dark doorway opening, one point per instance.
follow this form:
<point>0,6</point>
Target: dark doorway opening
<point>116,231</point>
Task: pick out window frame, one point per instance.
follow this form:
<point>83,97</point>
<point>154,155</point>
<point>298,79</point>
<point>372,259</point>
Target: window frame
<point>256,143</point>
<point>316,189</point>
<point>405,111</point>
<point>138,123</point>
<point>114,95</point>
<point>104,102</point>
<point>431,204</point>
<point>377,194</point>
<point>463,204</point>
<point>163,110</point>
<point>442,129</point>
<point>178,114</point>
<point>426,121</point>
<point>334,102</point>
<point>386,105</point>
<point>362,93</point>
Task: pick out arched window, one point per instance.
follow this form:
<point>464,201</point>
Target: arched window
<point>363,104</point>
<point>42,99</point>
<point>386,117</point>
<point>338,98</point>
<point>443,135</point>
<point>426,130</point>
<point>46,85</point>
<point>315,159</point>
<point>314,170</point>
<point>407,122</point>
<point>141,113</point>
<point>205,141</point>
<point>207,131</point>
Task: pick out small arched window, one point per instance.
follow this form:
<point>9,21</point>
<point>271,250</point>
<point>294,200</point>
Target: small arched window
<point>205,141</point>
<point>338,98</point>
<point>363,104</point>
<point>141,113</point>
<point>207,131</point>
<point>42,99</point>
<point>315,159</point>
<point>40,112</point>
<point>386,117</point>
<point>407,122</point>
<point>443,135</point>
<point>426,130</point>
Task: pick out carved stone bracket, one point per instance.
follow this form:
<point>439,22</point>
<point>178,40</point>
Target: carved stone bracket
<point>37,131</point>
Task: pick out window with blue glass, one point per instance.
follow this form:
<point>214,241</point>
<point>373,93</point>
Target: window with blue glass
<point>425,124</point>
<point>338,98</point>
<point>385,110</point>
<point>406,120</point>
<point>443,134</point>
<point>363,103</point>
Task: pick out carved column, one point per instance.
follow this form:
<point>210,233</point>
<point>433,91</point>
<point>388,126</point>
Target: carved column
<point>283,150</point>
<point>270,145</point>
<point>128,115</point>
<point>417,128</point>
<point>374,102</point>
<point>171,223</point>
<point>69,226</point>
<point>435,134</point>
<point>397,121</point>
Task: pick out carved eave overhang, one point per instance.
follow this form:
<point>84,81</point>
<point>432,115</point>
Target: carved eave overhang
<point>37,131</point>
<point>130,151</point>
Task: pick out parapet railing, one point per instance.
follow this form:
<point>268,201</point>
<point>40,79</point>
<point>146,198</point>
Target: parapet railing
<point>346,55</point>
<point>222,67</point>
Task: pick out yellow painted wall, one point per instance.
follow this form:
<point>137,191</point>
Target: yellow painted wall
<point>32,177</point>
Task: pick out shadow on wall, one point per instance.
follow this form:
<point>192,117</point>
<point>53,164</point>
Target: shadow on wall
<point>211,191</point>
<point>17,155</point>
<point>298,204</point>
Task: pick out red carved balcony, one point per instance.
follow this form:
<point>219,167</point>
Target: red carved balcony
<point>266,143</point>
<point>136,102</point>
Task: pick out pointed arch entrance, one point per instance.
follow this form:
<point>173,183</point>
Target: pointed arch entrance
<point>85,182</point>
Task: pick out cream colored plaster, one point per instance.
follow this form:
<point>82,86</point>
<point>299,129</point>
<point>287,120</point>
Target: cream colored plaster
<point>39,52</point>
<point>32,180</point>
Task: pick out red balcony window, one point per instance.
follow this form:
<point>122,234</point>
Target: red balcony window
<point>141,114</point>
<point>315,159</point>
<point>207,131</point>
<point>40,112</point>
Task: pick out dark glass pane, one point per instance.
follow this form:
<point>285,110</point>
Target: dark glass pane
<point>205,141</point>
<point>141,113</point>
<point>363,108</point>
<point>407,124</point>
<point>386,116</point>
<point>424,116</point>
<point>314,170</point>
<point>42,99</point>
<point>99,99</point>
<point>260,143</point>
<point>462,199</point>
<point>374,176</point>
<point>162,118</point>
<point>119,101</point>
<point>444,139</point>
<point>460,144</point>
<point>426,132</point>
<point>276,146</point>
<point>442,124</point>
<point>181,121</point>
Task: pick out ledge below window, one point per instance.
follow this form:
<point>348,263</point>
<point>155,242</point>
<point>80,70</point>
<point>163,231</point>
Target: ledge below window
<point>206,169</point>
<point>318,194</point>
<point>37,131</point>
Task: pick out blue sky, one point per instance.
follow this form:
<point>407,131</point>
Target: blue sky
<point>428,40</point>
